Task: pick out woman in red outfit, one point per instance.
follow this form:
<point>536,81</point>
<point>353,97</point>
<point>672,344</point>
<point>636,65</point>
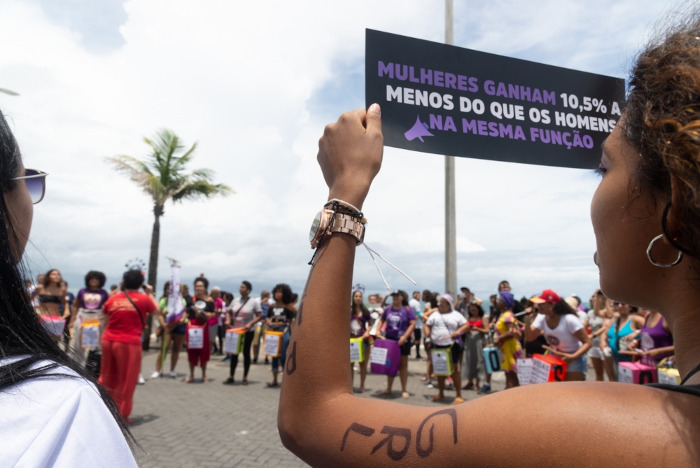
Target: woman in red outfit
<point>199,347</point>
<point>121,341</point>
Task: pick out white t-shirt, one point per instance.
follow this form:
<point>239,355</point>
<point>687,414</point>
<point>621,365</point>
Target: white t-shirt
<point>59,421</point>
<point>561,338</point>
<point>443,325</point>
<point>247,311</point>
<point>582,316</point>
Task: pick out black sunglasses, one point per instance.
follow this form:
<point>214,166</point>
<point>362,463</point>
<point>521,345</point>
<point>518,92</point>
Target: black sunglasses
<point>35,181</point>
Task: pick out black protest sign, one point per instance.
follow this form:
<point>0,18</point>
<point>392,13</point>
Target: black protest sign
<point>443,99</point>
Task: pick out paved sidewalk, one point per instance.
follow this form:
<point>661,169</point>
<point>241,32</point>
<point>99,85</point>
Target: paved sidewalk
<point>215,425</point>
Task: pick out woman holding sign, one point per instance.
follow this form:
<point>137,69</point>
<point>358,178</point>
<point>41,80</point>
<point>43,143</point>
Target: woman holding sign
<point>125,319</point>
<point>279,320</point>
<point>508,338</point>
<point>198,345</point>
<point>646,220</point>
<point>445,330</point>
<point>88,306</point>
<point>244,313</point>
<point>565,335</point>
<point>473,346</point>
<point>360,325</point>
<point>400,321</point>
<point>174,335</point>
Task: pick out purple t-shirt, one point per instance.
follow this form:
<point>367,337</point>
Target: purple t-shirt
<point>91,299</point>
<point>652,338</point>
<point>397,321</point>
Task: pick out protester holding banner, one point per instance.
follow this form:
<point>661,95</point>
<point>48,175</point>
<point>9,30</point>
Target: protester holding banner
<point>473,347</point>
<point>360,325</point>
<point>244,313</point>
<point>88,306</point>
<point>646,220</point>
<point>52,294</point>
<point>279,320</point>
<point>52,303</point>
<point>431,307</point>
<point>565,335</point>
<point>414,303</point>
<point>400,321</point>
<point>599,319</point>
<point>216,323</point>
<point>259,327</point>
<point>655,342</point>
<point>174,332</point>
<point>125,319</point>
<point>197,335</point>
<point>445,330</point>
<point>508,338</point>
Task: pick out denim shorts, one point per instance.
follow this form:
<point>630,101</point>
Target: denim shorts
<point>577,365</point>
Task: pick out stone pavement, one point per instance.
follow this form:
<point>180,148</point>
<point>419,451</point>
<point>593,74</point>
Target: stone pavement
<point>214,425</point>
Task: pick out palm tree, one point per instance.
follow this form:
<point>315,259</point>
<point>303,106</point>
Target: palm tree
<point>163,176</point>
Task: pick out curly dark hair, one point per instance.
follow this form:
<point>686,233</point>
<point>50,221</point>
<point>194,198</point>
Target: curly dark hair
<point>98,275</point>
<point>662,121</point>
<point>286,292</point>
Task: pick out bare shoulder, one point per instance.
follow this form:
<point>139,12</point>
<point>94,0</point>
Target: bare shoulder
<point>589,423</point>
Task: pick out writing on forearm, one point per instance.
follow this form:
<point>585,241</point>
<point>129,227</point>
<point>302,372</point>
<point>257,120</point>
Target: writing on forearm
<point>392,432</point>
<point>398,439</point>
<point>419,436</point>
<point>291,364</point>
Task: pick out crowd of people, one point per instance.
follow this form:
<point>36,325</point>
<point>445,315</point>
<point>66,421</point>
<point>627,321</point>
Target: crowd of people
<point>119,319</point>
<point>600,336</point>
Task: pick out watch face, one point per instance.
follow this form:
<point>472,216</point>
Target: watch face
<point>314,226</point>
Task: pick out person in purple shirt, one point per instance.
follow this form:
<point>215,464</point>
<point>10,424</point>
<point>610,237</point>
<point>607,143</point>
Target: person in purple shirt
<point>655,340</point>
<point>400,321</point>
<point>87,306</point>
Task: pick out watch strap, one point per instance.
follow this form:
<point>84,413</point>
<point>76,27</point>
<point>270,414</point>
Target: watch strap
<point>348,224</point>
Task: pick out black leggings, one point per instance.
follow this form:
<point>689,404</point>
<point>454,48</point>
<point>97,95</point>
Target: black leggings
<point>246,355</point>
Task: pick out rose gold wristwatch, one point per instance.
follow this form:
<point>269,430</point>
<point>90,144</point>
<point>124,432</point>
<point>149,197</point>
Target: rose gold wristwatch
<point>328,222</point>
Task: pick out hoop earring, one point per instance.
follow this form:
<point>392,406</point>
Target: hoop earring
<point>662,265</point>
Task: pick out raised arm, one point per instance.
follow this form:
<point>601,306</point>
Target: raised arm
<point>324,424</point>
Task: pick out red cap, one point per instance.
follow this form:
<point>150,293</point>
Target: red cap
<point>547,296</point>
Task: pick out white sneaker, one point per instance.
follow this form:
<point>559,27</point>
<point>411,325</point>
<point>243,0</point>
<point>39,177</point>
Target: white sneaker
<point>141,379</point>
<point>173,374</point>
<point>156,374</point>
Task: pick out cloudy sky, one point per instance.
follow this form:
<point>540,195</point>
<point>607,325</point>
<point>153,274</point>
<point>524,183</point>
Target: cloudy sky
<point>254,83</point>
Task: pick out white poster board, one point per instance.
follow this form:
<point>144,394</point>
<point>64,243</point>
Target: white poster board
<point>196,338</point>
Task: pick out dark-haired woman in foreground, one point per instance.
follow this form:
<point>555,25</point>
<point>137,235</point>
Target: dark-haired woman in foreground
<point>647,199</point>
<point>51,411</point>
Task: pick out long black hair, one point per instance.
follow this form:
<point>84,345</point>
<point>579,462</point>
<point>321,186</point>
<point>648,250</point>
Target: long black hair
<point>22,334</point>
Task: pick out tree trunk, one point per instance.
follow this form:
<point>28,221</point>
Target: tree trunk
<point>152,270</point>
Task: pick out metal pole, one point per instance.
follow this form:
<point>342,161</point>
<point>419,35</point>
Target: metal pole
<point>450,225</point>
